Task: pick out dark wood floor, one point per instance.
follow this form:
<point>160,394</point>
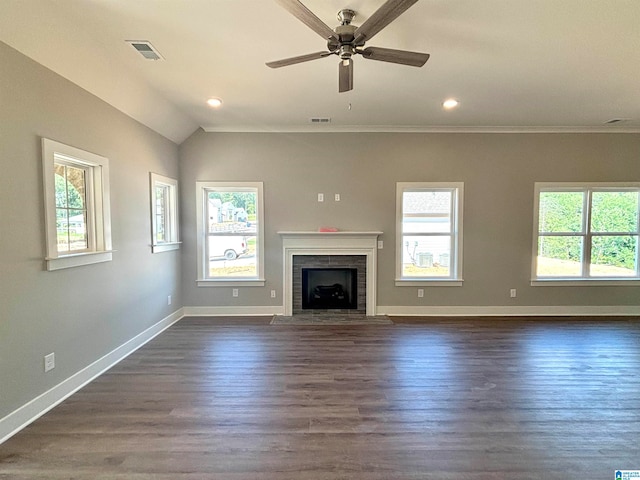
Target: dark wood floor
<point>438,399</point>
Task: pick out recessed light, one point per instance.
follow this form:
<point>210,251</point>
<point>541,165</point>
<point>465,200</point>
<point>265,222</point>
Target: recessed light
<point>450,103</point>
<point>214,102</point>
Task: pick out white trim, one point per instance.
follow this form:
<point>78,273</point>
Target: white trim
<point>97,204</point>
<point>506,311</point>
<point>241,282</point>
<point>231,311</point>
<point>330,243</point>
<point>201,228</point>
<point>429,283</point>
<point>165,247</point>
<point>587,189</point>
<point>173,223</point>
<point>34,409</point>
<point>332,127</point>
<point>457,207</point>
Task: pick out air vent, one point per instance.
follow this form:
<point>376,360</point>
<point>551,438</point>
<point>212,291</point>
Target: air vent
<point>320,120</point>
<point>145,49</point>
<point>613,121</point>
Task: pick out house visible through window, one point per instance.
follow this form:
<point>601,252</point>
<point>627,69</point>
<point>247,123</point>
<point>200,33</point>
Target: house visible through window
<point>429,232</point>
<point>586,231</point>
<point>230,237</point>
<point>78,224</point>
<point>164,214</point>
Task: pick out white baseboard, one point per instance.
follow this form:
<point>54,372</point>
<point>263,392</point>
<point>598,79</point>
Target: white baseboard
<point>506,311</point>
<point>23,416</point>
<point>233,311</point>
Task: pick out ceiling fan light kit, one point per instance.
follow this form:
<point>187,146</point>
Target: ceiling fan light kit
<point>347,40</point>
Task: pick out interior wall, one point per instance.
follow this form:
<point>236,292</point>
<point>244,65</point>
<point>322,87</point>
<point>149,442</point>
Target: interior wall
<point>80,313</point>
<point>498,171</point>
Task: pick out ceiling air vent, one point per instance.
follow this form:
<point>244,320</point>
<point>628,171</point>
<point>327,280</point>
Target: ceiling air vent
<point>145,49</point>
<point>320,120</point>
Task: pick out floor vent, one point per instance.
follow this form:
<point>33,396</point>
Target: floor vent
<point>320,120</point>
<point>145,49</point>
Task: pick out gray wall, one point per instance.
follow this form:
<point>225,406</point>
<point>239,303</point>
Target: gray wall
<point>498,170</point>
<point>80,313</point>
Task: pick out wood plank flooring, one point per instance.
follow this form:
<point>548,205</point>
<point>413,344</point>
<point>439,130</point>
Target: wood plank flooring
<point>422,399</point>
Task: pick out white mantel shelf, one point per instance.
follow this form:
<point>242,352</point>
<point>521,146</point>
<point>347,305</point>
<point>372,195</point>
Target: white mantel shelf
<point>329,234</point>
<point>330,243</point>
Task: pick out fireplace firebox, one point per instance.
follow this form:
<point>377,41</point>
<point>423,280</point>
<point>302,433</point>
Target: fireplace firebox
<point>329,288</point>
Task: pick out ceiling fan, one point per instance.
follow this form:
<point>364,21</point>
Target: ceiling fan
<point>347,40</point>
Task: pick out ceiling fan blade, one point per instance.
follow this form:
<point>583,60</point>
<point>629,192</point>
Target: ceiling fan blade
<point>402,57</point>
<point>307,17</point>
<point>382,17</point>
<point>302,58</point>
<point>345,75</point>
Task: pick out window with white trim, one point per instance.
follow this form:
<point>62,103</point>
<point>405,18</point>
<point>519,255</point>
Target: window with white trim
<point>77,213</point>
<point>586,231</point>
<point>164,214</point>
<point>230,233</point>
<point>429,233</point>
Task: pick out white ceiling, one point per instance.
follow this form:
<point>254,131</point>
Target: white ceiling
<point>515,65</point>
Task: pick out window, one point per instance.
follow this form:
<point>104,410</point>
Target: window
<point>76,194</point>
<point>230,233</point>
<point>586,232</point>
<point>164,214</point>
<point>429,233</point>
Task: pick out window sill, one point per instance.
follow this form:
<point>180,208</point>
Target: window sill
<point>227,282</point>
<point>585,282</point>
<point>165,247</point>
<point>428,283</point>
<point>78,260</point>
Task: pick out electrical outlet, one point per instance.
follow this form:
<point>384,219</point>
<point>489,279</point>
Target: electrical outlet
<point>380,244</point>
<point>337,197</point>
<point>168,299</point>
<point>49,362</point>
<point>513,293</point>
<point>234,292</point>
<point>273,294</point>
<point>321,197</point>
<point>420,292</point>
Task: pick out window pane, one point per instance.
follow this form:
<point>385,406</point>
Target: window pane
<point>162,197</point>
<point>62,229</point>
<point>614,256</point>
<point>559,256</point>
<point>561,212</point>
<point>77,230</point>
<point>426,256</point>
<point>232,256</point>
<point>60,185</point>
<point>426,212</point>
<point>614,212</point>
<point>232,212</point>
<point>75,187</point>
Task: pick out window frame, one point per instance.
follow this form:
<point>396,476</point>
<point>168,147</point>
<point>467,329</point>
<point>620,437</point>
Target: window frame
<point>455,266</point>
<point>97,204</point>
<point>202,189</point>
<point>171,224</point>
<point>586,234</point>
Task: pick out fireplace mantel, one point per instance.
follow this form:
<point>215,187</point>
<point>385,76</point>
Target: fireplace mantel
<point>330,243</point>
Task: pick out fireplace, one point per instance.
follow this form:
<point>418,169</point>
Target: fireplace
<point>330,250</point>
<point>325,285</point>
<point>329,288</point>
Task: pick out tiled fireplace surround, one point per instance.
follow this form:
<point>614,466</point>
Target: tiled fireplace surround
<point>358,262</point>
<point>333,249</point>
